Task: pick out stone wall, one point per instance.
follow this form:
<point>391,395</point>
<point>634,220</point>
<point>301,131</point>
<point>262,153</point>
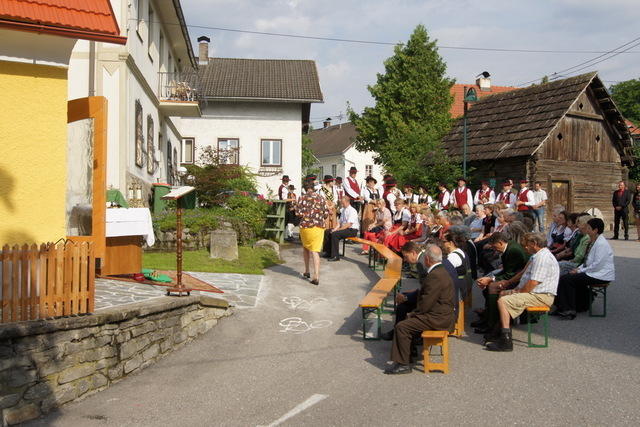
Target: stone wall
<point>166,241</point>
<point>45,364</point>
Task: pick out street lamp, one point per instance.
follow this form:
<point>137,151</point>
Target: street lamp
<point>469,96</point>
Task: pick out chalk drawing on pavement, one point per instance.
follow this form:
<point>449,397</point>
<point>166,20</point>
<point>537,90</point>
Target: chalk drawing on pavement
<point>297,303</point>
<point>296,325</point>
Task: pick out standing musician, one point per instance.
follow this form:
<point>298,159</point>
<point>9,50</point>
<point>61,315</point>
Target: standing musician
<point>291,219</point>
<point>371,195</point>
<point>462,195</point>
<point>339,188</point>
<point>443,197</point>
<point>423,197</point>
<point>353,190</point>
<point>390,195</point>
<point>506,196</point>
<point>409,196</point>
<point>525,200</point>
<point>282,190</point>
<point>485,195</point>
<point>328,192</point>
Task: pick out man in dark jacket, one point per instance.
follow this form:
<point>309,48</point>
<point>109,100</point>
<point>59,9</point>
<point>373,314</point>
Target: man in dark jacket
<point>434,311</point>
<point>514,259</point>
<point>620,200</point>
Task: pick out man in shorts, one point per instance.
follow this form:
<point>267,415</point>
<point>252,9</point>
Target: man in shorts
<point>538,286</point>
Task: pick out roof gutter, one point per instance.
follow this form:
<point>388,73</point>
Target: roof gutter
<point>240,98</point>
<point>62,31</point>
<point>185,33</point>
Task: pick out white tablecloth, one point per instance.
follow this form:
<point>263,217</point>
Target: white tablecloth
<point>130,222</point>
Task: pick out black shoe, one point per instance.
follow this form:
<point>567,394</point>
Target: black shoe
<point>504,343</point>
<point>626,237</point>
<point>567,315</point>
<point>326,256</point>
<point>335,258</point>
<point>478,323</point>
<point>482,330</point>
<point>492,336</point>
<point>387,336</point>
<point>307,275</point>
<point>315,282</point>
<point>398,368</point>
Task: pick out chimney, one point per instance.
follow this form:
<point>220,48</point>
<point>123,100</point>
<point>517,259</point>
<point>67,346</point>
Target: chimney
<point>203,53</point>
<point>326,123</point>
<point>483,81</point>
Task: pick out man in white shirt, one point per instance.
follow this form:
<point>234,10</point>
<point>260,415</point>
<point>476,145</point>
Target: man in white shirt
<point>597,269</point>
<point>540,198</point>
<point>461,195</point>
<point>444,197</point>
<point>537,286</point>
<point>349,226</point>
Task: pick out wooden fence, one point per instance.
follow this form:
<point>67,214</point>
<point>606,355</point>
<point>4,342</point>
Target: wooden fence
<point>46,281</point>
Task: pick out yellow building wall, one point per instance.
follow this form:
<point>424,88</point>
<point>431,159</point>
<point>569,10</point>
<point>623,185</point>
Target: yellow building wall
<point>33,152</point>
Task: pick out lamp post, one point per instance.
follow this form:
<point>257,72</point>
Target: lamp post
<point>469,96</point>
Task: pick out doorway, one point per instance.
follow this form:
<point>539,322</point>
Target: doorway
<point>561,195</point>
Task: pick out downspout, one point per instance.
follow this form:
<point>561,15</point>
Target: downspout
<point>92,68</point>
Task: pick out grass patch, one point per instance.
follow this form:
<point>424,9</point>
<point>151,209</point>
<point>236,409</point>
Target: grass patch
<point>250,261</point>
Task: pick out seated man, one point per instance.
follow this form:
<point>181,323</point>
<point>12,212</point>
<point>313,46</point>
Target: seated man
<point>349,226</point>
<point>434,311</point>
<point>598,269</point>
<point>537,287</point>
<point>514,259</point>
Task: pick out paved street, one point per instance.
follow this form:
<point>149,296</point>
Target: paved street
<point>258,368</point>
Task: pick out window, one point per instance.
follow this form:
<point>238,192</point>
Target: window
<point>368,170</point>
<point>150,27</point>
<point>188,150</point>
<point>139,136</point>
<point>228,150</point>
<point>271,152</point>
<point>150,146</point>
<point>334,170</point>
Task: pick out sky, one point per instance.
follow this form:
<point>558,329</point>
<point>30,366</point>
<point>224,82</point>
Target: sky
<point>345,69</point>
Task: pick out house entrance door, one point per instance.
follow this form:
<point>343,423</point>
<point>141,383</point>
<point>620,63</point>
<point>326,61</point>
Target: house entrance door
<point>86,171</point>
<point>560,195</point>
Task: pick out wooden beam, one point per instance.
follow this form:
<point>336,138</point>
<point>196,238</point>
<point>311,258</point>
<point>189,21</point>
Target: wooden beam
<point>585,115</point>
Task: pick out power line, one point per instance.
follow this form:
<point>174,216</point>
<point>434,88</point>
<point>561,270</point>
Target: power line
<point>381,43</point>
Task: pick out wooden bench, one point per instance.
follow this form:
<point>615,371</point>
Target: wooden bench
<point>542,310</point>
<point>374,301</point>
<point>435,338</point>
<point>597,290</point>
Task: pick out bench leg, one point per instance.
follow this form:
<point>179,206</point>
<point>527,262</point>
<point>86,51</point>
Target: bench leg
<point>365,312</point>
<point>596,292</point>
<point>430,366</point>
<point>545,328</point>
<point>344,243</point>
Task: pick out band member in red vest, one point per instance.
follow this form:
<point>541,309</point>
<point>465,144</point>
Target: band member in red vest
<point>443,196</point>
<point>462,195</point>
<point>485,195</point>
<point>526,200</point>
<point>506,196</point>
<point>283,190</point>
<point>339,188</point>
<point>353,189</point>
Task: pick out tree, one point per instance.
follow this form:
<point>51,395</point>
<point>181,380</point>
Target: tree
<point>411,114</point>
<point>626,95</point>
<point>308,159</point>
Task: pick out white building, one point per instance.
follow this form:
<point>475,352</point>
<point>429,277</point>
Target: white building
<point>146,82</point>
<point>334,147</point>
<point>254,112</point>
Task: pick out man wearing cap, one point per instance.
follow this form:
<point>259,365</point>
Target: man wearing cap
<point>462,195</point>
<point>353,189</point>
<point>284,188</point>
<point>485,195</point>
<point>389,195</point>
<point>443,196</point>
<point>328,192</point>
<point>506,196</point>
<point>525,200</point>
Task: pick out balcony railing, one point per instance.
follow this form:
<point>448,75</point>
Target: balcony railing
<point>182,86</point>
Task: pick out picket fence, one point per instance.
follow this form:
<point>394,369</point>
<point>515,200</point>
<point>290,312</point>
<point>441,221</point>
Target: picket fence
<point>46,281</point>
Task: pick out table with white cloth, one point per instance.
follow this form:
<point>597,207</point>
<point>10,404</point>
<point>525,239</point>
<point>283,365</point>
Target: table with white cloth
<point>126,229</point>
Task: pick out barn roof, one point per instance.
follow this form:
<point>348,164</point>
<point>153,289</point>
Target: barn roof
<point>333,140</point>
<point>516,123</point>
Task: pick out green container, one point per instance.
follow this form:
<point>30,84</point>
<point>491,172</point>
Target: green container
<point>160,190</point>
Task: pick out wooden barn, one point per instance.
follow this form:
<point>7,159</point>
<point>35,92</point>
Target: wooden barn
<point>568,134</point>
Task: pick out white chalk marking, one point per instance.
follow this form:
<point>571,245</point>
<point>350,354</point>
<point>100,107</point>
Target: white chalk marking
<point>297,303</point>
<point>299,326</point>
<point>301,407</point>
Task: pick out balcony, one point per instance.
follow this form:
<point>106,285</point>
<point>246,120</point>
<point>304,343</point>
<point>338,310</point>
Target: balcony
<point>179,94</point>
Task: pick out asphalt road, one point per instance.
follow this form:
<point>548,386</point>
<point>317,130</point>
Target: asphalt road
<point>248,371</point>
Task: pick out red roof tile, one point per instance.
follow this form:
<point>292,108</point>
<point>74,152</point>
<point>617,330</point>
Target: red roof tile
<point>83,19</point>
<point>633,129</point>
<point>457,90</point>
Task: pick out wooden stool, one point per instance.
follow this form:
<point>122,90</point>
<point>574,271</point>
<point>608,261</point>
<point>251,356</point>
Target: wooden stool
<point>544,310</point>
<point>459,326</point>
<point>436,338</point>
<point>597,290</point>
